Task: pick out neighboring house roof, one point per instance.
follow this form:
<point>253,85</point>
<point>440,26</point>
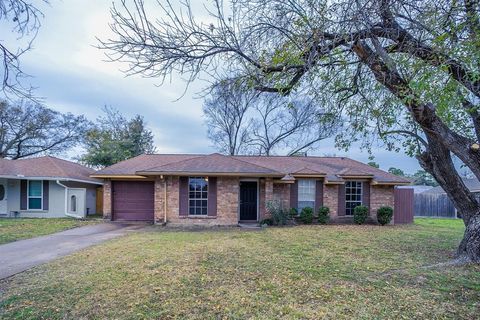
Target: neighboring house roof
<point>334,169</point>
<point>46,167</point>
<point>472,184</point>
<point>417,188</point>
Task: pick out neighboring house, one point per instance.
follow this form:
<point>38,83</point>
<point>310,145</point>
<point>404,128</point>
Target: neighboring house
<point>225,190</point>
<point>46,187</point>
<point>472,184</point>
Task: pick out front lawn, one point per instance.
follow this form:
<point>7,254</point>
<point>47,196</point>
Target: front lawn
<point>335,272</point>
<point>24,228</point>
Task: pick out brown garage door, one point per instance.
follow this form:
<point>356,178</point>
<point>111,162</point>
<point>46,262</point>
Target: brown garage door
<point>133,200</point>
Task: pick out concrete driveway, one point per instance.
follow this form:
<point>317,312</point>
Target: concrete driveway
<point>21,255</point>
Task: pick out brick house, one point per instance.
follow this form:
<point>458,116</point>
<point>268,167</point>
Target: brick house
<point>224,190</point>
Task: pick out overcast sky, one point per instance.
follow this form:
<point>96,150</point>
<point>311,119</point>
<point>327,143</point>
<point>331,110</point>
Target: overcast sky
<point>72,76</point>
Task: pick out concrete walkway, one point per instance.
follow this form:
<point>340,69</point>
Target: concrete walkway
<point>21,255</point>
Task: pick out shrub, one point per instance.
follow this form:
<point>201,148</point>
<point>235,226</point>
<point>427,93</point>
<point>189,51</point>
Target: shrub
<point>306,215</point>
<point>266,221</point>
<point>279,215</point>
<point>360,214</point>
<point>384,215</point>
<point>323,215</point>
<point>293,213</point>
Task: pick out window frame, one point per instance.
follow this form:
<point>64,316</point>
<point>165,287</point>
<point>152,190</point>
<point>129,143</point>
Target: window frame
<point>312,185</point>
<point>35,197</point>
<point>195,198</point>
<point>359,185</point>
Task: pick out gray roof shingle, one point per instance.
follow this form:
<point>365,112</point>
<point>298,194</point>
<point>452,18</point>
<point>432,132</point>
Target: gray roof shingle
<point>333,168</point>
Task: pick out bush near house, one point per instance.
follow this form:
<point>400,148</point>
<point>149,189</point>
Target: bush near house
<point>306,215</point>
<point>360,214</point>
<point>279,215</point>
<point>384,215</point>
<point>323,215</point>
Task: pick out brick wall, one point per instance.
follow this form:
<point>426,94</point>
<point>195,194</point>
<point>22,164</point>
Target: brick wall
<point>261,202</point>
<point>281,193</point>
<point>380,196</point>
<point>330,198</point>
<point>227,203</point>
<point>159,198</point>
<point>107,199</point>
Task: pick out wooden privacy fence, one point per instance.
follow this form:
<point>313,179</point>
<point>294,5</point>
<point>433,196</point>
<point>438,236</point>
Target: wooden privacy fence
<point>433,205</point>
<point>436,205</point>
<point>403,211</point>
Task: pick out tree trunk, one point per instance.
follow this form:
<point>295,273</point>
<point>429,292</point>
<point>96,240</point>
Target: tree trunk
<point>438,162</point>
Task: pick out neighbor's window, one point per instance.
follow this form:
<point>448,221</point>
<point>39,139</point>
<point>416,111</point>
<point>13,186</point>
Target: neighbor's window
<point>306,194</point>
<point>73,203</point>
<point>35,194</point>
<point>353,196</point>
<point>197,195</point>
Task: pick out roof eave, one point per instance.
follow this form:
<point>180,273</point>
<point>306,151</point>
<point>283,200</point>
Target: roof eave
<point>356,176</point>
<point>49,179</point>
<point>391,183</point>
<point>115,176</point>
<point>320,175</point>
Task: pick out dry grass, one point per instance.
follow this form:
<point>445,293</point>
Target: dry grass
<point>336,272</point>
<point>24,228</point>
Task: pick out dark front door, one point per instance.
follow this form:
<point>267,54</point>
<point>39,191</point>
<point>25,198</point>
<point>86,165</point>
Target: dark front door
<point>248,200</point>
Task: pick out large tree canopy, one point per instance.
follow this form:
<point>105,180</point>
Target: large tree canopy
<point>393,68</point>
<point>115,138</point>
<point>28,129</point>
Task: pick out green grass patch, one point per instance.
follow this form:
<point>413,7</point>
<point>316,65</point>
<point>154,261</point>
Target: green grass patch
<point>306,272</point>
<point>24,228</point>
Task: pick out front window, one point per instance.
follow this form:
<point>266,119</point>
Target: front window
<point>306,194</point>
<point>35,194</point>
<point>353,196</point>
<point>198,196</point>
<point>73,203</point>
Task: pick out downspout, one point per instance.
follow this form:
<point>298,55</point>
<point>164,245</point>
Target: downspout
<point>164,201</point>
<point>66,202</point>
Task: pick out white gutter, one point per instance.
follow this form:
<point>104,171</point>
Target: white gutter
<point>66,202</point>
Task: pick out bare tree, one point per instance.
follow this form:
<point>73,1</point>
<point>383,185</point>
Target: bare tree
<point>281,125</point>
<point>25,20</point>
<point>406,70</point>
<point>28,129</point>
<point>226,115</point>
<point>242,121</point>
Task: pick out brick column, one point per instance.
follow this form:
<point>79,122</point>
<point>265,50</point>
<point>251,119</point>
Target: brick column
<point>107,199</point>
<point>268,190</point>
<point>381,196</point>
<point>330,199</point>
<point>159,196</point>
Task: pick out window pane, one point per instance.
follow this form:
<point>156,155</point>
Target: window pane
<point>353,196</point>
<point>35,203</point>
<point>35,188</point>
<point>198,195</point>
